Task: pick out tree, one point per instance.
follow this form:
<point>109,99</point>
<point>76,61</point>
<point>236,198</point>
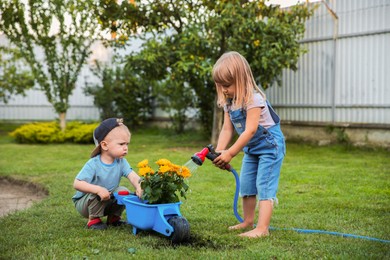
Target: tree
<point>54,39</point>
<point>14,79</point>
<point>265,34</point>
<point>179,72</point>
<point>121,94</point>
<point>196,33</point>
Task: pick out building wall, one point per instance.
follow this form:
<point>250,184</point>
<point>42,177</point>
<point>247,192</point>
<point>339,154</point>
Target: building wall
<point>35,107</point>
<point>344,78</point>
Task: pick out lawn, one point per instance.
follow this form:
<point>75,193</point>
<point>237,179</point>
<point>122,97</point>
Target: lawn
<point>332,188</point>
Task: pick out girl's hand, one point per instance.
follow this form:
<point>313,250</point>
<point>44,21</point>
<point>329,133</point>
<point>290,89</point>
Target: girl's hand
<point>222,160</point>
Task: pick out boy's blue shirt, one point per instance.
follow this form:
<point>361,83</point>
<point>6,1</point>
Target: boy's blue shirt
<point>105,175</point>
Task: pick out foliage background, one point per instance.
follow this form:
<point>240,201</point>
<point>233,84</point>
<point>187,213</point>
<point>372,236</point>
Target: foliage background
<point>52,41</point>
<point>181,42</point>
<point>183,39</point>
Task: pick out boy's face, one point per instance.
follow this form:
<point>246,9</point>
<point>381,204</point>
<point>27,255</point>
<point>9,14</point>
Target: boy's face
<point>116,142</point>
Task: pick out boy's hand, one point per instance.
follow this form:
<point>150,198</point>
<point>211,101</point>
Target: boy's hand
<point>139,191</point>
<point>104,194</point>
<point>135,181</point>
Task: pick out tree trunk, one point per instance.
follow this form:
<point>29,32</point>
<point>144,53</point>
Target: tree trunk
<point>217,123</point>
<point>62,121</point>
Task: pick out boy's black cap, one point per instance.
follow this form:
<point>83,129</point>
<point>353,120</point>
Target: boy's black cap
<point>102,131</point>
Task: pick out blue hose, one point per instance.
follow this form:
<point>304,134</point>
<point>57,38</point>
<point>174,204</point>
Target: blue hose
<point>299,230</point>
<point>236,195</point>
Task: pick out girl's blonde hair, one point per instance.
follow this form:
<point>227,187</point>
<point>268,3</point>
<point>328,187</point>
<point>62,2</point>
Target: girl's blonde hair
<point>232,68</point>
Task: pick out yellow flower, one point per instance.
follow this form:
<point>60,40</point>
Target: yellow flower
<point>175,168</point>
<point>145,170</point>
<point>168,173</point>
<point>185,172</point>
<point>143,163</point>
<point>256,43</point>
<point>164,169</point>
<point>163,162</point>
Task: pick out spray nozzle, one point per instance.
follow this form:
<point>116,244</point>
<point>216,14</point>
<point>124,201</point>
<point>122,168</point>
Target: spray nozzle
<point>209,153</point>
<point>199,157</point>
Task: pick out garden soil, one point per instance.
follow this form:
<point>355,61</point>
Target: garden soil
<point>18,195</point>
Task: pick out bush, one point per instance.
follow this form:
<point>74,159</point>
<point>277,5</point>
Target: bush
<point>39,133</point>
<point>122,94</point>
<point>50,132</point>
<point>80,133</point>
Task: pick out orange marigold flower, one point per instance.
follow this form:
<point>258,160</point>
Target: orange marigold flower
<point>145,170</point>
<point>175,168</point>
<point>164,169</point>
<point>168,173</point>
<point>163,162</point>
<point>143,163</point>
<point>185,172</point>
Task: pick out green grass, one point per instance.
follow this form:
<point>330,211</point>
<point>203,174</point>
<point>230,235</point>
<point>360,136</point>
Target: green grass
<point>328,188</point>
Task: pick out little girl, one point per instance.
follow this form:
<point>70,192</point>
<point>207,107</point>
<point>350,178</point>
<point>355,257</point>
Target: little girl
<point>249,113</point>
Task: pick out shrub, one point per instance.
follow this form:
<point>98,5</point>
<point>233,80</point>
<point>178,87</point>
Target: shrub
<point>123,94</point>
<point>50,132</point>
<point>77,132</point>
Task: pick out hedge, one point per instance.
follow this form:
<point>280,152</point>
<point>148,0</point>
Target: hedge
<point>50,132</point>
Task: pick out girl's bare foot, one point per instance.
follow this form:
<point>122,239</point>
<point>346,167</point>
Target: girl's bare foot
<point>255,233</point>
<point>240,226</point>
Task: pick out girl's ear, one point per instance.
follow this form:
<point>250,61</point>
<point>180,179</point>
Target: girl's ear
<point>104,146</point>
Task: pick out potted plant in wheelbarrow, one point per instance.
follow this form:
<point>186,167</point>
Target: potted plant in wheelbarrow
<point>159,207</point>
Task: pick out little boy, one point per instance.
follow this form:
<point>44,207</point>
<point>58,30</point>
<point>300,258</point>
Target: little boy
<point>101,175</point>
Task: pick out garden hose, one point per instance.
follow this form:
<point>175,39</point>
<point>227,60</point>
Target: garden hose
<point>299,230</point>
<point>209,152</point>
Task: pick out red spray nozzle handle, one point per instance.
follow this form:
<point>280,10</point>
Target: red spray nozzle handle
<point>199,157</point>
<point>208,152</point>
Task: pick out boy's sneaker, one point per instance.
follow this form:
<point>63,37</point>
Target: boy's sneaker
<point>96,224</point>
<point>115,221</point>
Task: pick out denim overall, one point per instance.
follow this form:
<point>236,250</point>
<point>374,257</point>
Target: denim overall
<point>263,157</point>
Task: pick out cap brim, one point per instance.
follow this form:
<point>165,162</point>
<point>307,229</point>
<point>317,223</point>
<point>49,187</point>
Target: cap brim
<point>95,151</point>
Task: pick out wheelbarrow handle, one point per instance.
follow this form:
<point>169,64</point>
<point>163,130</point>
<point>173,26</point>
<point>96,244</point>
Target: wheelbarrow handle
<point>112,196</point>
<point>122,193</point>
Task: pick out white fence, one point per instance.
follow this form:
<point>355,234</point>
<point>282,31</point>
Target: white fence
<point>344,77</point>
<point>34,106</point>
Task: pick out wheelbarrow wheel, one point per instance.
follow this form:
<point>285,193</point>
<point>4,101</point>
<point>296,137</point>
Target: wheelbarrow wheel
<point>181,229</point>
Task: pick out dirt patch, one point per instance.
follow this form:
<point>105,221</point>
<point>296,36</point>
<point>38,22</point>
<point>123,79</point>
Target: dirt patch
<point>17,195</point>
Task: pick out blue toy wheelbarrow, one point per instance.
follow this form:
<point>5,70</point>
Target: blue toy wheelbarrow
<point>165,219</point>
